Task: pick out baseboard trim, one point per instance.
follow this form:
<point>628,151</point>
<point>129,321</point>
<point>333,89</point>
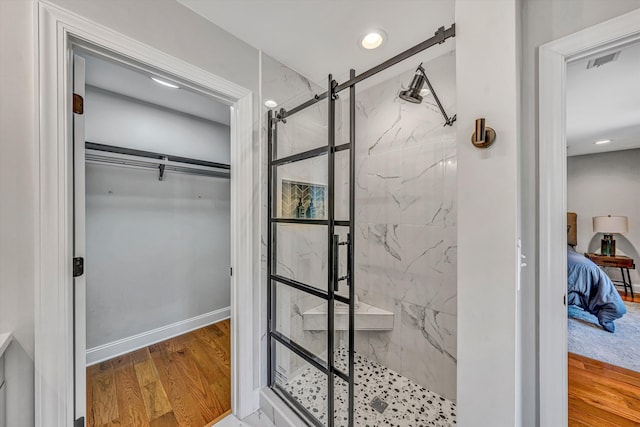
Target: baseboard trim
<point>126,345</point>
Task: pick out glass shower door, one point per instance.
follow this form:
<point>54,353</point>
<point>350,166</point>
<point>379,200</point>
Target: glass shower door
<point>309,266</point>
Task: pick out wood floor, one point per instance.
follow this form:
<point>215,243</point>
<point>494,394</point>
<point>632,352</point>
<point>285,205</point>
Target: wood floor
<point>636,297</point>
<point>602,395</point>
<point>184,381</point>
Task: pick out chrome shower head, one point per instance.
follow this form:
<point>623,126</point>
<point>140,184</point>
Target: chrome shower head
<point>413,93</point>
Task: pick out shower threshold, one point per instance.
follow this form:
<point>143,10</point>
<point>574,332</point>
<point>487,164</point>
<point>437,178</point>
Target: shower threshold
<point>407,403</point>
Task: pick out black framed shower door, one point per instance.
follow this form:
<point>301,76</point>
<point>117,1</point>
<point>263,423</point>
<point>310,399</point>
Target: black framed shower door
<point>304,223</point>
<point>324,237</point>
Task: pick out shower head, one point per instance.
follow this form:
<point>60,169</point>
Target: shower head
<point>413,93</point>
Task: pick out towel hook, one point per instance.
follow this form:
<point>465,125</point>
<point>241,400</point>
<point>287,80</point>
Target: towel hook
<point>484,136</point>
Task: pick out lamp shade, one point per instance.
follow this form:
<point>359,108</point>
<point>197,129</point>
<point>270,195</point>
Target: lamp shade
<point>610,224</point>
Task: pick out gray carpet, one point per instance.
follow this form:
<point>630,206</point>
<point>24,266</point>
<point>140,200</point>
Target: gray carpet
<point>622,348</point>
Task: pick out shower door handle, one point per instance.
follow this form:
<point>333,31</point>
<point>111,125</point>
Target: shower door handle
<point>349,259</point>
<point>336,261</point>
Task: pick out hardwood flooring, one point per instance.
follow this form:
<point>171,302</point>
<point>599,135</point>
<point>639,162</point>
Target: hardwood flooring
<point>602,395</point>
<point>636,297</point>
<point>184,381</point>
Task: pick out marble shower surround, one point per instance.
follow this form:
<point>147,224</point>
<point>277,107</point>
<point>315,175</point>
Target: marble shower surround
<point>406,210</point>
<point>301,250</point>
<point>405,220</point>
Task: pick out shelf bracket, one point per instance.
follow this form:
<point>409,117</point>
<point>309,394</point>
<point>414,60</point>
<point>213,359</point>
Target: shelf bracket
<point>161,167</point>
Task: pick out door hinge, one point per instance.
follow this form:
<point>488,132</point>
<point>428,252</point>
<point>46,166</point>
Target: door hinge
<point>564,299</point>
<point>230,271</point>
<point>78,104</point>
<point>78,266</point>
<point>79,422</point>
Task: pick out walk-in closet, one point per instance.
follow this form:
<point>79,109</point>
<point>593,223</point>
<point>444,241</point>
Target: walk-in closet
<point>157,233</point>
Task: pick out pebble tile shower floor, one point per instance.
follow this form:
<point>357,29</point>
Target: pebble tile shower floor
<point>409,404</point>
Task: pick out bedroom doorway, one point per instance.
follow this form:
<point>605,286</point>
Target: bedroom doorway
<point>603,235</point>
<point>589,329</point>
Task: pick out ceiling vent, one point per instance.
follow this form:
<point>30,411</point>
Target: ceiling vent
<point>605,59</point>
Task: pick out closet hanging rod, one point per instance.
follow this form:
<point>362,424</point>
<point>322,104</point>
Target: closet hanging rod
<point>152,155</point>
<point>106,154</point>
<point>161,166</point>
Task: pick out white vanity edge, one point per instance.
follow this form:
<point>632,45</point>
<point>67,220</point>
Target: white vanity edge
<point>5,340</point>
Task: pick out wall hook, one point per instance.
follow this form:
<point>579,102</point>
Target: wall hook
<point>484,136</point>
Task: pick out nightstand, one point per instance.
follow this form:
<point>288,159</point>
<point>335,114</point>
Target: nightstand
<point>624,263</point>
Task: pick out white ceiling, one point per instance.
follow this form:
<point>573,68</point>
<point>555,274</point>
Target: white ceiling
<point>604,103</point>
<point>318,37</point>
<point>121,79</point>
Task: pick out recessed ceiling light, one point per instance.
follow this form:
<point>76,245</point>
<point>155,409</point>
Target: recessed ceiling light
<point>373,39</point>
<point>603,141</point>
<point>270,103</point>
<point>165,83</point>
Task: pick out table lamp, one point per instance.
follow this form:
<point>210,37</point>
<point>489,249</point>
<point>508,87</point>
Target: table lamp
<point>609,225</point>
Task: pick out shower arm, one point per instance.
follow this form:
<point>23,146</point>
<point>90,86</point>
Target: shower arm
<point>448,120</point>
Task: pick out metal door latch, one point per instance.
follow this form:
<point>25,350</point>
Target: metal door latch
<point>78,266</point>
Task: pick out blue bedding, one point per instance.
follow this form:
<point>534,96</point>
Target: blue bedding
<point>591,289</point>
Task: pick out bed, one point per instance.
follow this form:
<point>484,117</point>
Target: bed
<point>588,287</point>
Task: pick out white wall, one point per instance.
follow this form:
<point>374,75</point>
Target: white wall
<point>17,204</point>
<point>487,86</point>
<point>176,30</point>
<point>157,251</point>
<point>543,21</point>
<point>126,122</point>
<point>606,184</point>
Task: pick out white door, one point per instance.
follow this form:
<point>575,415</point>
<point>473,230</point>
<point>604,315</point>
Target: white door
<point>79,244</point>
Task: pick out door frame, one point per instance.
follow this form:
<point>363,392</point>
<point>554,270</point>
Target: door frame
<point>54,362</point>
<point>552,190</point>
<point>79,237</point>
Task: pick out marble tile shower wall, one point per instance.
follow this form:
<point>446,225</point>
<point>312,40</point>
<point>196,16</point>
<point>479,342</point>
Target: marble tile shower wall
<point>302,251</point>
<point>406,220</point>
